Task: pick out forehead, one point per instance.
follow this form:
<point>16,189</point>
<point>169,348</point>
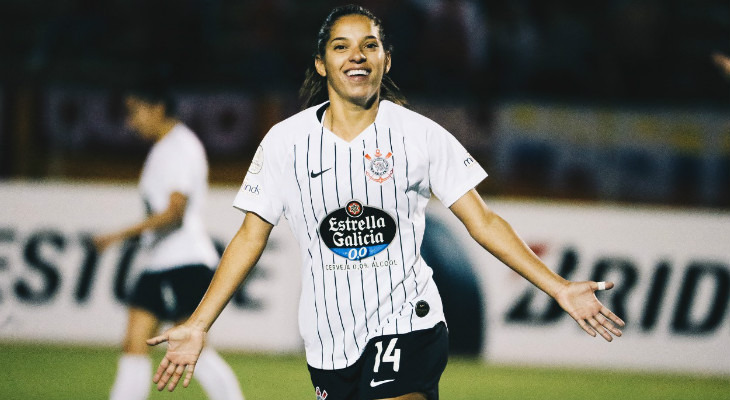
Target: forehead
<point>136,102</point>
<point>353,27</point>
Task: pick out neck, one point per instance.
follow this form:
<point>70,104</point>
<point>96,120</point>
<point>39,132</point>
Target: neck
<point>165,127</point>
<point>348,120</point>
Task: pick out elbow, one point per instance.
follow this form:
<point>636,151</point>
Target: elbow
<point>173,218</point>
<point>482,228</point>
<point>492,233</point>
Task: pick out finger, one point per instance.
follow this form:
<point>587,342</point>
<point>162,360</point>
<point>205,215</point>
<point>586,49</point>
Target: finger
<point>600,329</point>
<point>586,327</point>
<point>163,366</point>
<point>613,317</point>
<point>176,377</point>
<point>157,340</point>
<point>608,325</point>
<point>189,376</point>
<point>166,376</point>
<point>596,286</point>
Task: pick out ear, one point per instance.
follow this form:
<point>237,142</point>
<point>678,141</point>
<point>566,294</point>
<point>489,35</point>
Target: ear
<point>387,62</point>
<point>319,66</point>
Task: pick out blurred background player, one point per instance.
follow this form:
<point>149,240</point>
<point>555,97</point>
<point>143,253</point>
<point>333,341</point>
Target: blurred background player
<point>352,174</point>
<point>178,255</point>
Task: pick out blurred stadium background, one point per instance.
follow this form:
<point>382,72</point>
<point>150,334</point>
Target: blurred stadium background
<point>609,111</point>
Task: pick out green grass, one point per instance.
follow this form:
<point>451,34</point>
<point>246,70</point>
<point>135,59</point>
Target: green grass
<point>50,372</point>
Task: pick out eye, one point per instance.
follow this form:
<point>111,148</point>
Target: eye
<point>339,47</point>
<point>372,45</point>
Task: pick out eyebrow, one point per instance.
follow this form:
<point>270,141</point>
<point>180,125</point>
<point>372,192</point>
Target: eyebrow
<point>344,38</point>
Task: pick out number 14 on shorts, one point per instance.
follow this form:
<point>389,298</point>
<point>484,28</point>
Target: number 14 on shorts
<point>391,355</point>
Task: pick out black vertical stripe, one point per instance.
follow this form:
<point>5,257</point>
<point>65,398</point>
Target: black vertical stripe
<point>362,276</point>
<point>364,175</point>
<point>387,251</point>
<point>311,260</point>
<point>324,286</point>
<point>367,201</point>
<point>413,227</point>
<point>321,177</point>
<point>349,287</point>
<point>337,181</point>
<point>334,273</point>
<point>352,309</point>
<point>397,215</point>
<point>352,190</point>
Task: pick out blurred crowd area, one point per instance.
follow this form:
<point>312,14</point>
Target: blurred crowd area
<point>64,63</point>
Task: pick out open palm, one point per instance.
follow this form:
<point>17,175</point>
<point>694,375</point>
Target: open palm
<point>578,299</point>
<point>183,350</point>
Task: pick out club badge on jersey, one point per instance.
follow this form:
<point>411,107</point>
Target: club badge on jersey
<point>357,231</point>
<point>380,168</point>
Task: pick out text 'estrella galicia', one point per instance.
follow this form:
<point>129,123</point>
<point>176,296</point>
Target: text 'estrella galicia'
<point>357,231</point>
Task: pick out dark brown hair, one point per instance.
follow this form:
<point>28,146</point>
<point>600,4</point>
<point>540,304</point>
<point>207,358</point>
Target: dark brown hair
<point>314,88</point>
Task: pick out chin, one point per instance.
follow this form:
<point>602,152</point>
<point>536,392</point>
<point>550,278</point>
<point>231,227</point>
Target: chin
<point>364,100</point>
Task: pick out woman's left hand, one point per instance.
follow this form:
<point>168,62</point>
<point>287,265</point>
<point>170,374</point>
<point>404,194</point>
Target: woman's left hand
<point>578,299</point>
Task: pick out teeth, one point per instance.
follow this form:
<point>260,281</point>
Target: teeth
<point>357,72</point>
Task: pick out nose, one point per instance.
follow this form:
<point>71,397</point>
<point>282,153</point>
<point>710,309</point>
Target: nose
<point>357,56</point>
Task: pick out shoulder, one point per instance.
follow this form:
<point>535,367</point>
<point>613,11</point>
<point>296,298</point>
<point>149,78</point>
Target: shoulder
<point>298,125</point>
<point>406,120</point>
<point>394,114</point>
<point>181,141</point>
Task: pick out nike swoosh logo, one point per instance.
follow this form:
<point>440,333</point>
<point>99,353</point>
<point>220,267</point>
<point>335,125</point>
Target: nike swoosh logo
<point>374,383</point>
<point>316,174</point>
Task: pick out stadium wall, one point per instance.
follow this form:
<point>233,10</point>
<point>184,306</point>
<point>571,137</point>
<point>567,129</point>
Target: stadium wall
<point>671,268</point>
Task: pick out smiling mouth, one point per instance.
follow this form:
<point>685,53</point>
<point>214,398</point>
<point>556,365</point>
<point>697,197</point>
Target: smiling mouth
<point>357,72</point>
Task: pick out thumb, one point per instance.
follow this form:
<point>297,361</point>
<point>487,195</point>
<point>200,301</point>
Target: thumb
<point>157,340</point>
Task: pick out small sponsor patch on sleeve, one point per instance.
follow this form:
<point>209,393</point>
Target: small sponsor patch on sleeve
<point>249,188</point>
<point>257,163</point>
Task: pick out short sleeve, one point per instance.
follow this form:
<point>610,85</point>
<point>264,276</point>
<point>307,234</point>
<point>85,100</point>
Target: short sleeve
<point>452,170</point>
<point>259,192</point>
<point>181,178</point>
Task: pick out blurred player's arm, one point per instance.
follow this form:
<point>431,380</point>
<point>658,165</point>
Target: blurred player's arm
<point>496,236</point>
<point>186,341</point>
<point>172,216</point>
<point>723,62</point>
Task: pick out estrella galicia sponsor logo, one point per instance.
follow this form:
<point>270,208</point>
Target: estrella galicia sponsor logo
<point>357,231</point>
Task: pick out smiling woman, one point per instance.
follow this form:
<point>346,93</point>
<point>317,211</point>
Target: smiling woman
<point>370,313</point>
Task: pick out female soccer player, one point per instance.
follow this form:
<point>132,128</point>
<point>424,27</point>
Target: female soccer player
<point>179,254</point>
<point>352,174</point>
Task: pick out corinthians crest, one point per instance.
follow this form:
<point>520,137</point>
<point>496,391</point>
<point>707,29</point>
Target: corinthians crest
<point>380,168</point>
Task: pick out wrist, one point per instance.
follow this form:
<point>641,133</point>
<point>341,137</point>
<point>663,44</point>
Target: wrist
<point>558,288</point>
<point>197,324</point>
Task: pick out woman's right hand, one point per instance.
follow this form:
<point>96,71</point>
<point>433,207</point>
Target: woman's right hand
<point>184,346</point>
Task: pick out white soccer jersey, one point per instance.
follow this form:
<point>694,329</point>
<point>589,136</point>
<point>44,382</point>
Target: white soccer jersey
<point>177,163</point>
<point>357,210</point>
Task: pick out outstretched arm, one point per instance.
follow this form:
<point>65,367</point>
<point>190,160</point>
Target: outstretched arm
<point>186,341</point>
<point>172,216</point>
<point>723,62</point>
<point>497,236</point>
